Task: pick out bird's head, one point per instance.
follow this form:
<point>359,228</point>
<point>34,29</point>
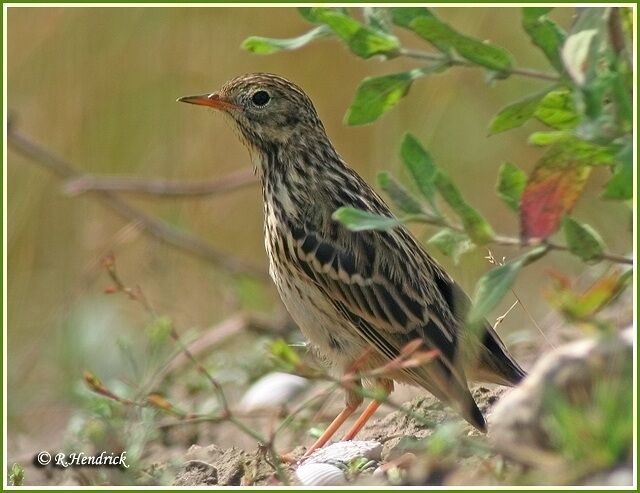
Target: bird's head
<point>267,109</point>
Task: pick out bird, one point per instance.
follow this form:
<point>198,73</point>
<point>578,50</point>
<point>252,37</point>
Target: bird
<point>353,293</point>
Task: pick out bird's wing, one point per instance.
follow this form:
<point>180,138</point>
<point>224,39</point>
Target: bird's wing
<point>390,304</point>
<point>388,307</point>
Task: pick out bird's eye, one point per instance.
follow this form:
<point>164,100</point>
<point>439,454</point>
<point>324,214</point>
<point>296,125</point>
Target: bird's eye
<point>260,98</point>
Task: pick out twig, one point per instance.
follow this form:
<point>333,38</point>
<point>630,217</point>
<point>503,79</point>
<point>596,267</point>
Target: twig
<point>136,294</point>
<point>501,318</point>
<point>212,336</point>
<point>454,61</point>
<point>226,414</point>
<point>494,261</point>
<point>159,187</point>
<point>155,227</point>
<point>533,320</point>
<point>510,241</point>
<point>616,34</point>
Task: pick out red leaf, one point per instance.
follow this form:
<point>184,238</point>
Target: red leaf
<point>551,191</point>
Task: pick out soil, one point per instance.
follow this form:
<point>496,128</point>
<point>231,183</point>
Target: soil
<point>234,467</point>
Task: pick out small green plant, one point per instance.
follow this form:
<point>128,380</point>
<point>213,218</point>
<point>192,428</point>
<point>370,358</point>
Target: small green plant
<point>16,475</point>
<point>594,430</point>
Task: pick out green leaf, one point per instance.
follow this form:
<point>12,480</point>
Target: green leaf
<point>476,226</point>
<point>451,243</point>
<point>511,183</point>
<point>362,40</point>
<point>307,14</point>
<point>284,354</point>
<point>267,46</point>
<point>310,13</point>
<point>420,164</point>
<point>16,475</point>
<point>159,331</point>
<point>403,16</point>
<point>558,110</point>
<point>543,139</point>
<point>377,95</point>
<point>620,186</point>
<point>583,306</point>
<point>582,240</point>
<point>570,148</point>
<point>377,18</point>
<point>492,286</point>
<point>400,196</point>
<point>473,50</point>
<point>516,114</point>
<point>544,33</point>
<point>622,90</point>
<point>359,220</point>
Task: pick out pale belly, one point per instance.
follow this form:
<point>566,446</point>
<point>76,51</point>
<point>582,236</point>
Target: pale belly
<point>333,338</point>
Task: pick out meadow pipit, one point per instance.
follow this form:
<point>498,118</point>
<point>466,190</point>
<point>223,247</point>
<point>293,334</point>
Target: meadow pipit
<point>350,292</point>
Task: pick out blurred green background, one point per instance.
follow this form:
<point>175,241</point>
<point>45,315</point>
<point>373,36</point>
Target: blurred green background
<point>97,86</point>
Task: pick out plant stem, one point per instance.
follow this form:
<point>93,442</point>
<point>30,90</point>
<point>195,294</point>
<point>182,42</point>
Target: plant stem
<point>510,241</point>
<point>156,227</point>
<point>159,187</point>
<point>454,61</point>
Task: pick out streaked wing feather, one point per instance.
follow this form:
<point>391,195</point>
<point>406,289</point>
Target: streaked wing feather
<point>377,301</point>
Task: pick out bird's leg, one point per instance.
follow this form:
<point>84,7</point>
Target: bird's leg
<point>373,406</point>
<point>352,403</point>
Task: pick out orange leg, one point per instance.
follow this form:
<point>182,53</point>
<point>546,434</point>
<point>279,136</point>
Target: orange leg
<point>362,420</point>
<point>368,412</point>
<point>353,401</point>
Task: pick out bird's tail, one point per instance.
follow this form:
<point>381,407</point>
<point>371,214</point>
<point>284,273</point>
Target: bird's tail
<point>495,363</point>
<point>471,413</point>
<point>452,389</point>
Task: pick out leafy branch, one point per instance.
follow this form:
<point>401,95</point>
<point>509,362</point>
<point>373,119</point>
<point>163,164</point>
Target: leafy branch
<point>587,110</point>
<point>453,61</point>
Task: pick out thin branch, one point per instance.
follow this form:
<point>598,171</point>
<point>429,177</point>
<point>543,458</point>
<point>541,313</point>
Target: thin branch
<point>226,414</point>
<point>454,61</point>
<point>215,335</point>
<point>158,187</point>
<point>510,241</point>
<point>159,229</point>
<point>616,34</point>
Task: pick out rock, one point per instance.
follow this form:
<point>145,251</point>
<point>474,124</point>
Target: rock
<point>207,464</point>
<point>517,424</point>
<point>419,417</point>
<point>197,473</point>
<point>621,476</point>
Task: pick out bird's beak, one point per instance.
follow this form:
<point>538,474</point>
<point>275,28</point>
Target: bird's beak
<point>213,100</point>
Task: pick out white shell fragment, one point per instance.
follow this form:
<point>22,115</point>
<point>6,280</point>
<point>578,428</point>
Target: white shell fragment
<point>345,452</point>
<point>318,474</point>
<point>272,391</point>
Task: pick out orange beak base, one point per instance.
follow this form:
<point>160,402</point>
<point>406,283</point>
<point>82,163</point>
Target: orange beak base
<point>211,100</point>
